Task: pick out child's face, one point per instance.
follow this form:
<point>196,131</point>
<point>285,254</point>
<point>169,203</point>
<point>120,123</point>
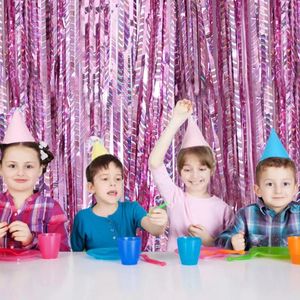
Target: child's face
<point>277,187</point>
<point>194,175</point>
<point>107,185</point>
<point>20,169</point>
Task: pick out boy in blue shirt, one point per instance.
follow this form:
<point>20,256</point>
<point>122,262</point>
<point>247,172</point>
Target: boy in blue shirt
<point>100,226</point>
<point>275,215</point>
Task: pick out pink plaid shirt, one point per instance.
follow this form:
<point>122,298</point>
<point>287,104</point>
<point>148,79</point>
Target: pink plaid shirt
<point>41,214</point>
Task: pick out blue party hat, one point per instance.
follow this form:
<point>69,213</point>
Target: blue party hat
<point>274,147</point>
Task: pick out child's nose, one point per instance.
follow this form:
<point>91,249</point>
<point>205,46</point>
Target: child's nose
<point>195,174</point>
<point>112,183</point>
<point>277,189</point>
<point>20,171</point>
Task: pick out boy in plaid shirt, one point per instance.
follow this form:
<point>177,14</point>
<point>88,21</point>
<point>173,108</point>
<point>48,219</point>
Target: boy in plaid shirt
<point>275,215</point>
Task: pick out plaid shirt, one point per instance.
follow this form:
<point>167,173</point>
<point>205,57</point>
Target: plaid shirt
<point>41,214</point>
<point>262,226</point>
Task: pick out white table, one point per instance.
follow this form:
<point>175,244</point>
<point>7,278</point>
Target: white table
<point>76,276</point>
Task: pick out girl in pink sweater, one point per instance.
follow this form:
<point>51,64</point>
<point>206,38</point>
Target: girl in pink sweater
<point>192,211</point>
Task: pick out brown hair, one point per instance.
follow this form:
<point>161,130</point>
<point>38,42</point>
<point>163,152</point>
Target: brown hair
<point>276,162</point>
<point>32,145</point>
<point>101,162</point>
<point>204,154</point>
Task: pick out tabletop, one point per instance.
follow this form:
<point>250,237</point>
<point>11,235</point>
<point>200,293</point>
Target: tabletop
<point>78,276</point>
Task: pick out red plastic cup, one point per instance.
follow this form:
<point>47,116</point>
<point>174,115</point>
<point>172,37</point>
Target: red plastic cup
<point>49,244</point>
<point>294,249</point>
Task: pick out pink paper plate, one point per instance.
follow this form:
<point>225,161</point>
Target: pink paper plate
<point>7,254</point>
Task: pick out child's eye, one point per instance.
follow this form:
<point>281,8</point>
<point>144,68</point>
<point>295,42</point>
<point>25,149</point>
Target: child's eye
<point>286,183</point>
<point>119,178</point>
<point>29,167</point>
<point>202,169</point>
<point>11,166</point>
<point>103,178</point>
<point>186,170</point>
<point>269,184</point>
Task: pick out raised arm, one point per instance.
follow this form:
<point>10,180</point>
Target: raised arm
<point>182,111</point>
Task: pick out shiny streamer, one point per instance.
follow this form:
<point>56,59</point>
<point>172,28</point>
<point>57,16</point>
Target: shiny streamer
<point>4,103</point>
<point>115,69</point>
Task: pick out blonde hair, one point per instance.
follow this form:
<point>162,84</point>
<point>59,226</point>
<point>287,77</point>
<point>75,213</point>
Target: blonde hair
<point>203,153</point>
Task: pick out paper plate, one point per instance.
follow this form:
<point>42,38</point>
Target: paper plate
<point>7,254</point>
<point>104,253</point>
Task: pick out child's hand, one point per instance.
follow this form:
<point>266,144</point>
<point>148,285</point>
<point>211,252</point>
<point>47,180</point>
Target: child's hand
<point>20,232</point>
<point>182,110</point>
<point>3,229</point>
<point>201,232</point>
<point>238,241</point>
<point>158,216</point>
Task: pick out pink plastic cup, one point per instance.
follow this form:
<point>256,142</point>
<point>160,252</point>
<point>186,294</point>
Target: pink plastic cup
<point>49,244</point>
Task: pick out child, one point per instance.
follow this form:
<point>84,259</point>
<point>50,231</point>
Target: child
<point>275,215</point>
<point>99,226</point>
<point>194,211</point>
<point>25,213</point>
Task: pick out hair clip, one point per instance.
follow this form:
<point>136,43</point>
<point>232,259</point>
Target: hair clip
<point>43,145</point>
<point>44,155</point>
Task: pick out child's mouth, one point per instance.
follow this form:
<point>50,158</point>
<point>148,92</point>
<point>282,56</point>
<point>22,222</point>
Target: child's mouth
<point>20,180</point>
<point>112,193</point>
<point>196,182</point>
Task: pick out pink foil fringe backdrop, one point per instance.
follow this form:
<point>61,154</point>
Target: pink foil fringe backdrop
<point>115,69</point>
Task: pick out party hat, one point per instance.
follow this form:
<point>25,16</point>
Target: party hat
<point>274,147</point>
<point>193,136</point>
<point>17,130</point>
<point>98,149</point>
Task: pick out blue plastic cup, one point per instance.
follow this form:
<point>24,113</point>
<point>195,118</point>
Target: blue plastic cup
<point>129,250</point>
<point>189,250</point>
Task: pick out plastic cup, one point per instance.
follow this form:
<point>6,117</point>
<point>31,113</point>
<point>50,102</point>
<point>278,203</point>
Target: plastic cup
<point>49,244</point>
<point>189,250</point>
<point>129,250</point>
<point>294,249</point>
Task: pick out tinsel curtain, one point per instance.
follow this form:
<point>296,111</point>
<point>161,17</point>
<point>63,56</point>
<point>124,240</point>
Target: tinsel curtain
<point>115,69</point>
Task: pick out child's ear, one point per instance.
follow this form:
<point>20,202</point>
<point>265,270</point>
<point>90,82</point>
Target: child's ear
<point>295,192</point>
<point>257,190</point>
<point>212,171</point>
<point>90,188</point>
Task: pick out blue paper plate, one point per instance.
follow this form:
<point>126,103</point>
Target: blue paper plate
<point>104,253</point>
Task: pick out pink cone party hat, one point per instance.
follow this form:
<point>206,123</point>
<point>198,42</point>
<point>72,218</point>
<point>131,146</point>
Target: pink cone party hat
<point>17,130</point>
<point>193,136</point>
